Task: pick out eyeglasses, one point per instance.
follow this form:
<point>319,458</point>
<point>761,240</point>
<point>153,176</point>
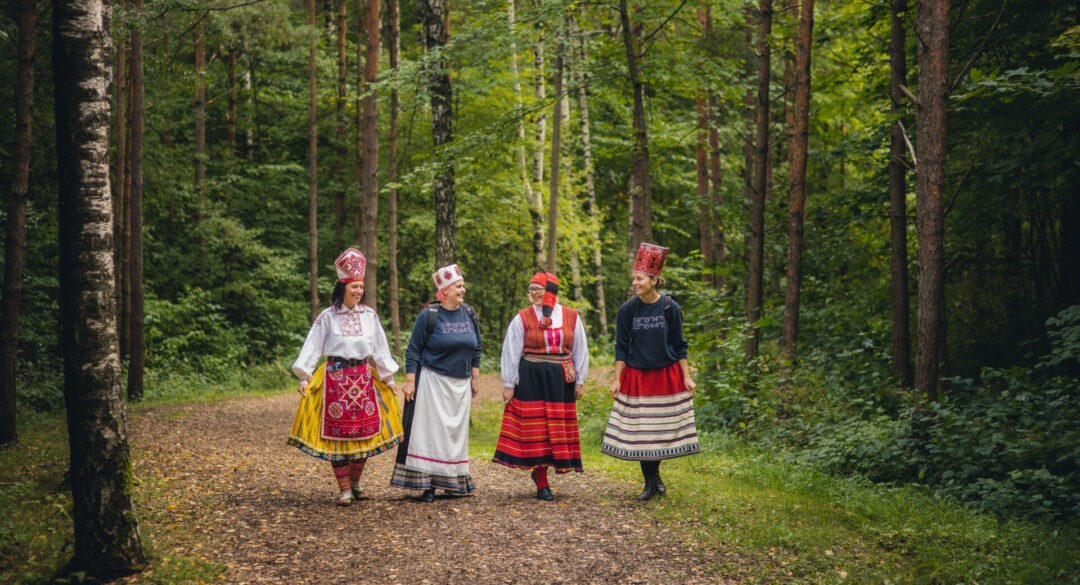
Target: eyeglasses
<point>535,290</point>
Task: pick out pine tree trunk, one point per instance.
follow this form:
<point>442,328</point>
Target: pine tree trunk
<point>797,195</point>
<point>372,23</point>
<point>435,37</point>
<point>932,26</point>
<point>313,166</point>
<point>341,153</point>
<point>536,208</point>
<point>105,527</point>
<point>120,193</point>
<point>756,238</point>
<point>640,187</point>
<point>392,200</point>
<point>901,318</point>
<point>137,362</point>
<point>15,236</point>
<point>200,143</point>
<point>590,181</point>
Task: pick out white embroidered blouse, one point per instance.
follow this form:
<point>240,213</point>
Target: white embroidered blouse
<point>347,333</point>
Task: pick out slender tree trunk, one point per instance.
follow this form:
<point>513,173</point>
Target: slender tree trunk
<point>373,21</point>
<point>200,143</point>
<point>392,200</point>
<point>556,145</point>
<point>756,243</point>
<point>640,187</point>
<point>15,236</point>
<point>137,363</point>
<point>120,193</point>
<point>313,164</point>
<point>932,26</point>
<point>705,215</point>
<point>590,183</point>
<point>231,122</point>
<point>901,318</point>
<point>341,153</point>
<point>435,37</point>
<point>358,201</point>
<point>106,532</point>
<point>536,209</point>
<point>719,251</point>
<point>531,198</point>
<point>797,194</point>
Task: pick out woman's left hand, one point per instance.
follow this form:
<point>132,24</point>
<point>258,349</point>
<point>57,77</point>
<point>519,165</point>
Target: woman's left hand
<point>475,387</point>
<point>579,391</point>
<point>508,395</point>
<point>691,385</point>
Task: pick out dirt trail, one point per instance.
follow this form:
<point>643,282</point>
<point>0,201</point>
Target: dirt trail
<point>266,511</point>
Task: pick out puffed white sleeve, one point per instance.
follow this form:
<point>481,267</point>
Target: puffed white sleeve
<point>304,366</point>
<point>580,352</point>
<point>383,358</point>
<point>513,344</point>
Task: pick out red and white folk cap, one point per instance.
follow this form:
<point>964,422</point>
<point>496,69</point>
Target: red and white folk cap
<point>351,266</point>
<point>650,259</point>
<point>446,276</point>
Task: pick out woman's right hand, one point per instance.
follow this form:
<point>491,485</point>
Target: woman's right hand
<point>507,395</point>
<point>409,390</point>
<point>302,388</point>
<point>615,387</point>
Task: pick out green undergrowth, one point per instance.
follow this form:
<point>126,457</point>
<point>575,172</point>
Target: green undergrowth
<point>775,521</point>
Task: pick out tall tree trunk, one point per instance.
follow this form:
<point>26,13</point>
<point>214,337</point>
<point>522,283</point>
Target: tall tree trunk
<point>231,121</point>
<point>392,199</point>
<point>120,192</point>
<point>200,143</point>
<point>313,165</point>
<point>590,181</point>
<point>341,151</point>
<point>106,530</point>
<point>15,236</point>
<point>358,143</point>
<point>442,117</point>
<point>640,187</point>
<point>536,208</point>
<point>523,167</point>
<point>137,362</point>
<point>705,215</point>
<point>756,243</point>
<point>797,194</point>
<point>556,145</point>
<point>716,174</point>
<point>932,26</point>
<point>372,22</point>
<point>901,318</point>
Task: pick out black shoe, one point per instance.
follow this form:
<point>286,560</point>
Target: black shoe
<point>661,489</point>
<point>427,497</point>
<point>649,491</point>
<point>544,493</point>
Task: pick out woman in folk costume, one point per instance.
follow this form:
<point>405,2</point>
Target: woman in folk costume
<point>545,359</point>
<point>652,418</point>
<point>347,411</point>
<point>442,365</point>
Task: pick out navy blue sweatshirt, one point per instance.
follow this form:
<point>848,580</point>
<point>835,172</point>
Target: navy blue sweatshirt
<point>644,339</point>
<point>453,348</point>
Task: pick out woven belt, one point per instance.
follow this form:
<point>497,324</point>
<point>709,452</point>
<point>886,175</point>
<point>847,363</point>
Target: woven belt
<point>549,358</point>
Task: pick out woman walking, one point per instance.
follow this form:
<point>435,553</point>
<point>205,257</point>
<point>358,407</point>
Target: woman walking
<point>652,418</point>
<point>347,412</point>
<point>545,360</point>
<point>442,365</point>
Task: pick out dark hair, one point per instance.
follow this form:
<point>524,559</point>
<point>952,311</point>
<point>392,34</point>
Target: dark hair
<point>337,296</point>
<point>660,282</point>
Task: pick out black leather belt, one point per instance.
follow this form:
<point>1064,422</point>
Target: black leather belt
<point>345,362</point>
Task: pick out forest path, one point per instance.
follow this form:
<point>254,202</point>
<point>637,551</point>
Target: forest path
<point>237,495</point>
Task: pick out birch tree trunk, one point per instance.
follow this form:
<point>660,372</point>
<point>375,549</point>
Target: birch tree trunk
<point>932,27</point>
<point>106,531</point>
<point>15,236</point>
<point>797,194</point>
<point>901,317</point>
<point>370,241</point>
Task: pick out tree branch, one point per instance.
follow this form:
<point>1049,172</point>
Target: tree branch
<point>907,141</point>
<point>907,93</point>
<point>979,51</point>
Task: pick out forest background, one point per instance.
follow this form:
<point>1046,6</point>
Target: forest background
<point>227,188</point>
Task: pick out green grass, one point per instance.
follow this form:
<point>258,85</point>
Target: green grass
<point>783,523</point>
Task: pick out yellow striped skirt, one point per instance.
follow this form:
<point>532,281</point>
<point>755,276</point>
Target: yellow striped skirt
<point>306,433</point>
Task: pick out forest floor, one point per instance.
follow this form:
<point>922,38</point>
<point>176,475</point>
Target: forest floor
<point>231,492</point>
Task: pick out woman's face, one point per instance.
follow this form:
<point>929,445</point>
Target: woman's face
<point>456,292</point>
<point>536,294</point>
<point>354,293</point>
<point>643,284</point>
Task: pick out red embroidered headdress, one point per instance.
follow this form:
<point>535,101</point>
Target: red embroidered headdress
<point>351,266</point>
<point>446,276</point>
<point>650,259</point>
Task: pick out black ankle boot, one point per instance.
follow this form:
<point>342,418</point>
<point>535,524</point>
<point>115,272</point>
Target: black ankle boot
<point>650,489</point>
<point>658,483</point>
